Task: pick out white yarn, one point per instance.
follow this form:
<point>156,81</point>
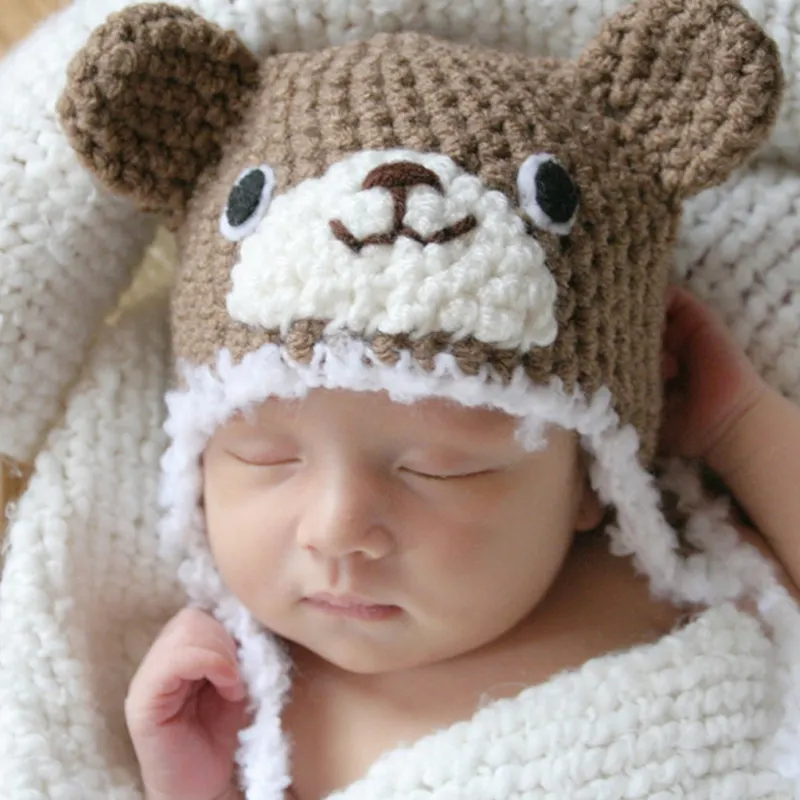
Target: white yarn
<point>263,755</point>
<point>492,283</point>
<point>739,250</point>
<point>679,718</point>
<point>725,569</point>
<point>84,592</point>
<point>61,241</point>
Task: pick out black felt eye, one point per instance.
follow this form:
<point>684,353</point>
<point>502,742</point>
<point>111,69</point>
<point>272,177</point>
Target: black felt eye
<point>548,194</point>
<point>247,203</point>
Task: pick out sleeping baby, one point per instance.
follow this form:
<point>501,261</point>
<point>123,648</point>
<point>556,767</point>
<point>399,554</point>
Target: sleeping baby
<point>429,370</point>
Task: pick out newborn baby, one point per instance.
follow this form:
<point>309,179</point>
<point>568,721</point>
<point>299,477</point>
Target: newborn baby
<point>419,332</point>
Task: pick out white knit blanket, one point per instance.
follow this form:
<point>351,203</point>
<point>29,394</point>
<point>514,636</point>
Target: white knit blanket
<point>84,590</point>
<point>682,718</point>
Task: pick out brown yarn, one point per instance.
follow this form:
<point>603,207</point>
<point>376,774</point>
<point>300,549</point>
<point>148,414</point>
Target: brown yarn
<point>150,100</point>
<point>398,177</point>
<point>695,87</point>
<point>668,99</point>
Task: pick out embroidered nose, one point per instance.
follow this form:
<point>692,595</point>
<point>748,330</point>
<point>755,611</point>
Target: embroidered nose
<point>398,177</point>
<point>401,174</point>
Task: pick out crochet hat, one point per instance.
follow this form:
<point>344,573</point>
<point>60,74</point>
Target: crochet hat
<point>430,219</point>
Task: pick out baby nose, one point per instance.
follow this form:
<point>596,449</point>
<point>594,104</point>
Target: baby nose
<point>343,520</point>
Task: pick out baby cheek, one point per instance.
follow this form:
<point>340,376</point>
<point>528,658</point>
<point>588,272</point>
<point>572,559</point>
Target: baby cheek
<point>482,576</point>
<point>507,530</point>
<point>462,537</point>
<point>248,540</point>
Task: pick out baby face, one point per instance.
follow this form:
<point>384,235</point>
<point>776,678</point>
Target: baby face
<point>383,536</point>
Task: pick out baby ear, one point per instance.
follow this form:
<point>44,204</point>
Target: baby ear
<point>150,99</point>
<point>694,86</point>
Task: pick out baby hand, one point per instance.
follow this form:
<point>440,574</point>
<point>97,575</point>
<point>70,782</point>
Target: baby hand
<point>710,384</point>
<point>185,708</point>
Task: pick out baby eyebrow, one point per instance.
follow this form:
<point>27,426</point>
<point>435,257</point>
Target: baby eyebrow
<point>488,427</point>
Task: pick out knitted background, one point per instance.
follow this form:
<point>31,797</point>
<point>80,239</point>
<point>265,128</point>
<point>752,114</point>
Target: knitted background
<point>83,593</point>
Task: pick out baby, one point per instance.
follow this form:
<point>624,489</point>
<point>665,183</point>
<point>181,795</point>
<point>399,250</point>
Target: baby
<point>419,323</point>
<point>418,560</point>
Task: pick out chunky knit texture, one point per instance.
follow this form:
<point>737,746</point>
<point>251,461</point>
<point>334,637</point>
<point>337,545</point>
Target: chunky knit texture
<point>63,242</point>
<point>71,632</point>
<point>432,219</point>
<point>685,717</point>
<point>665,102</point>
<point>79,607</point>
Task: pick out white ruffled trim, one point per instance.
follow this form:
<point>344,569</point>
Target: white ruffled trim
<point>726,569</point>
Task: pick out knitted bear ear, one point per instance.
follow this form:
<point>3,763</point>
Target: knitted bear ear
<point>150,99</point>
<point>694,86</point>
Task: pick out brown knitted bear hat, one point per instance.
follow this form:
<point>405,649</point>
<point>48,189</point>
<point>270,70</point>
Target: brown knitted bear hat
<point>425,218</point>
<point>428,218</point>
<point>428,197</point>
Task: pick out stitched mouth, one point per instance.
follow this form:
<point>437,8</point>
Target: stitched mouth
<point>448,234</point>
<point>398,178</point>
